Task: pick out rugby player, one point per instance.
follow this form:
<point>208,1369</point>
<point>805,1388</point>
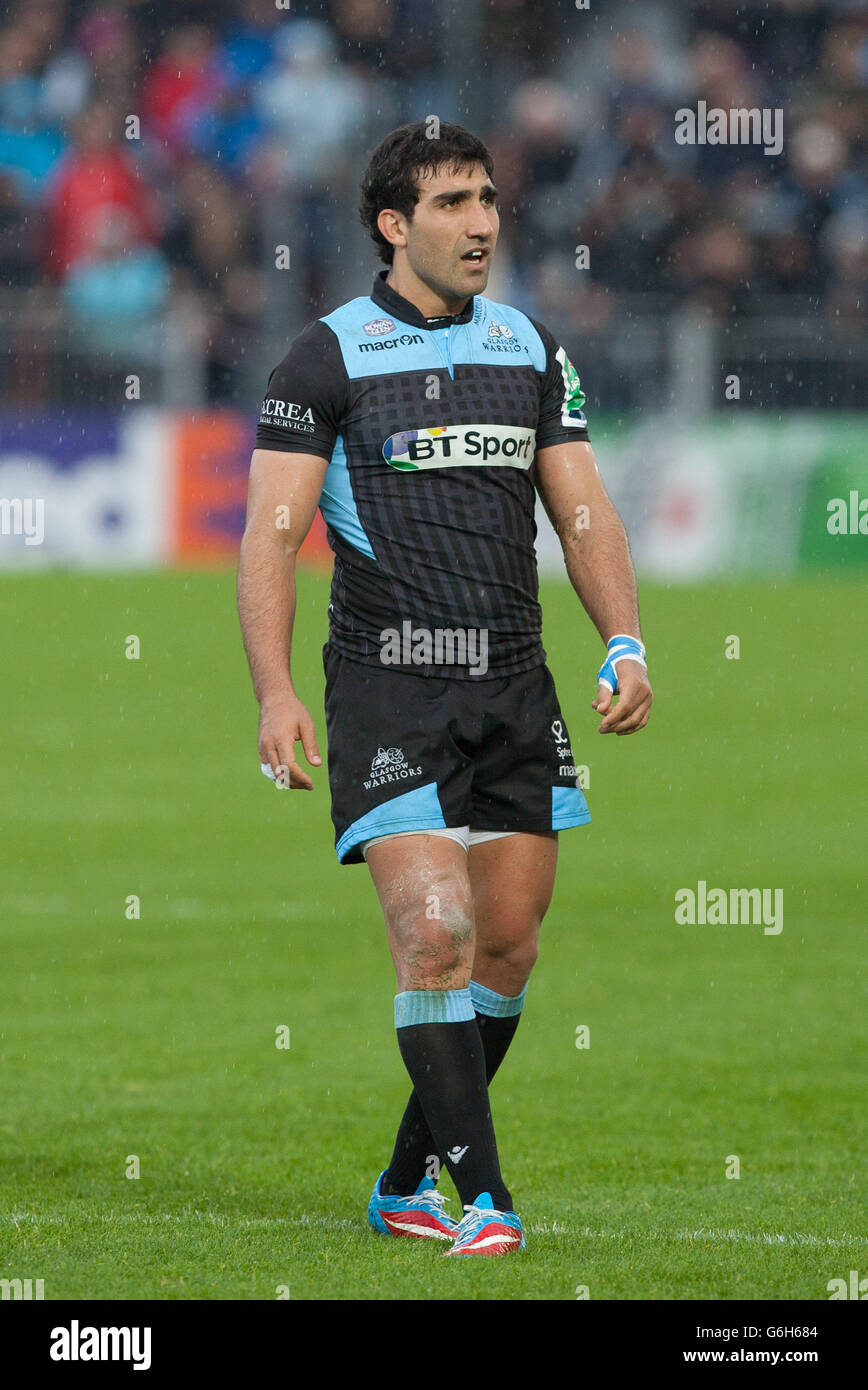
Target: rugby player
<point>422,419</point>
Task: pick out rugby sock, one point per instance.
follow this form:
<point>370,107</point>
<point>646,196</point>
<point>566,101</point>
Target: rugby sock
<point>411,1158</point>
<point>442,1049</point>
<point>497,1017</point>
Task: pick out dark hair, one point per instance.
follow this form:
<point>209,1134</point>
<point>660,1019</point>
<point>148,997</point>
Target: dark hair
<point>407,153</point>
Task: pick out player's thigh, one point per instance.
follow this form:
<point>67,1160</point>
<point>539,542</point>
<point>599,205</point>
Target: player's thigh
<point>512,880</point>
<point>424,890</point>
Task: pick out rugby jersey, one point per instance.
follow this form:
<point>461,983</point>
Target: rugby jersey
<point>430,428</point>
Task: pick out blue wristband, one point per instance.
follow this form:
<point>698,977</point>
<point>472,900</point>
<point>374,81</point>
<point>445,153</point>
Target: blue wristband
<point>619,648</point>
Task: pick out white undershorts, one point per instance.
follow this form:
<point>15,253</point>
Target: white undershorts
<point>462,834</point>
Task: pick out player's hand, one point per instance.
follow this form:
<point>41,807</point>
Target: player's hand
<point>284,722</point>
<point>633,701</point>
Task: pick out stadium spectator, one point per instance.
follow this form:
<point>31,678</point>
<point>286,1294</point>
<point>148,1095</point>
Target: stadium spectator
<point>214,253</point>
<point>102,62</point>
<point>121,285</point>
<point>544,123</point>
<point>247,46</point>
<point>29,147</point>
<point>313,111</point>
<point>310,106</point>
<point>96,178</point>
<point>181,84</point>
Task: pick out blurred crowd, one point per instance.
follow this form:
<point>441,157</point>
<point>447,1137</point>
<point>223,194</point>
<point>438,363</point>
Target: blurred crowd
<point>154,155</point>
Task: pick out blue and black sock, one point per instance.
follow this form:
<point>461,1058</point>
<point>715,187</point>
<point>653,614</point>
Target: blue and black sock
<point>495,1018</point>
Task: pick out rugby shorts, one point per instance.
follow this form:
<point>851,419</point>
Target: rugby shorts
<point>411,753</point>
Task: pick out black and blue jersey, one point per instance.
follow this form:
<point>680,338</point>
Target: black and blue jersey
<point>430,427</point>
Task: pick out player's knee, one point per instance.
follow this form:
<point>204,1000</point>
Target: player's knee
<point>521,961</point>
<point>515,955</point>
<point>435,936</point>
<point>448,937</point>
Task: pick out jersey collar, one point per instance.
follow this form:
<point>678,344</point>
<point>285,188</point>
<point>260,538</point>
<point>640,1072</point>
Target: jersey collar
<point>386,298</point>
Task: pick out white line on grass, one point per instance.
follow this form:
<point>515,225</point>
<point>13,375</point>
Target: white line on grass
<point>736,1237</point>
<point>537,1228</point>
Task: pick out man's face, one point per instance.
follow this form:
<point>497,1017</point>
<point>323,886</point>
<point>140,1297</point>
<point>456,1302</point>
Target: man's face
<point>453,231</point>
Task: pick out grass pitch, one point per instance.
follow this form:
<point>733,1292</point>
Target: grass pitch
<point>152,1038</point>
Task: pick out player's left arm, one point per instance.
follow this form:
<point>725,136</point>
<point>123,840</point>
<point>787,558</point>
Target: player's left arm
<point>597,557</point>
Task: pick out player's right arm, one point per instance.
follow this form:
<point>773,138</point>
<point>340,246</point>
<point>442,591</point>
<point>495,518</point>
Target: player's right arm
<point>305,401</point>
<point>283,494</point>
